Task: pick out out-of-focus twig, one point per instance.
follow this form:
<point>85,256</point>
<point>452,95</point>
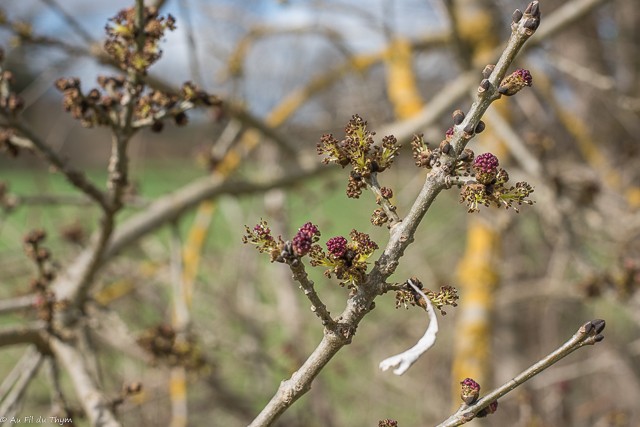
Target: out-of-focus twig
<point>96,405</point>
<point>77,178</point>
<point>29,333</point>
<point>10,305</point>
<point>15,384</point>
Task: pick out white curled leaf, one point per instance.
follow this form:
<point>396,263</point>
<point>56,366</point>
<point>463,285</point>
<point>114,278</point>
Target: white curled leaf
<point>404,360</point>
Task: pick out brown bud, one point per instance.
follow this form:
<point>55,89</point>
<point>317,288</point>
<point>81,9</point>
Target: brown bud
<point>531,24</point>
<point>493,407</point>
<point>15,103</point>
<point>484,85</point>
<point>488,69</point>
<point>517,16</point>
<point>157,126</point>
<point>458,117</point>
<point>467,155</point>
<point>133,388</point>
<point>181,119</point>
<point>445,147</point>
<point>43,254</point>
<point>533,9</point>
<point>93,95</point>
<point>599,324</point>
<point>469,129</point>
<point>480,127</point>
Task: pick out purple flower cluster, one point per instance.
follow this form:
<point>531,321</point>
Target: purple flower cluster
<point>524,75</point>
<point>306,236</point>
<point>337,246</point>
<point>486,168</point>
<point>470,391</point>
<point>486,163</point>
<point>468,382</point>
<point>261,231</point>
<point>515,81</point>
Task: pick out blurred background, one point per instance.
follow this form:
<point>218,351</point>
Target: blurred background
<point>288,72</point>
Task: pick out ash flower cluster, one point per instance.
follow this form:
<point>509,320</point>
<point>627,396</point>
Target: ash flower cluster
<point>306,236</point>
<point>347,260</point>
<point>260,235</point>
<point>337,247</point>
<point>469,391</point>
<point>123,39</point>
<point>490,189</point>
<point>359,150</point>
<point>107,104</point>
<point>406,296</point>
<point>515,82</point>
<point>486,168</point>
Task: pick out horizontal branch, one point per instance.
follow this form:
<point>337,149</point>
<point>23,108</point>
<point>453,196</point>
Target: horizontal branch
<point>29,333</point>
<point>166,209</point>
<point>10,305</point>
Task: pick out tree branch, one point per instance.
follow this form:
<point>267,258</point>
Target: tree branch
<point>587,334</point>
<point>97,407</point>
<point>401,236</point>
<point>15,384</point>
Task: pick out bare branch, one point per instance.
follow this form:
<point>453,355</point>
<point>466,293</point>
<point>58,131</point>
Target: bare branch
<point>97,407</point>
<point>401,236</point>
<point>29,333</point>
<point>9,305</point>
<point>75,177</point>
<point>307,285</point>
<point>164,210</point>
<point>15,384</point>
<point>587,334</point>
<point>70,20</point>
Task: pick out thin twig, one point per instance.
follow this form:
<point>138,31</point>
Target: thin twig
<point>77,178</point>
<point>96,406</point>
<point>181,319</point>
<point>455,91</point>
<point>70,20</point>
<point>387,207</point>
<point>22,374</point>
<point>587,334</point>
<point>10,305</point>
<point>307,285</point>
<point>29,333</point>
<point>58,401</point>
<point>194,61</point>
